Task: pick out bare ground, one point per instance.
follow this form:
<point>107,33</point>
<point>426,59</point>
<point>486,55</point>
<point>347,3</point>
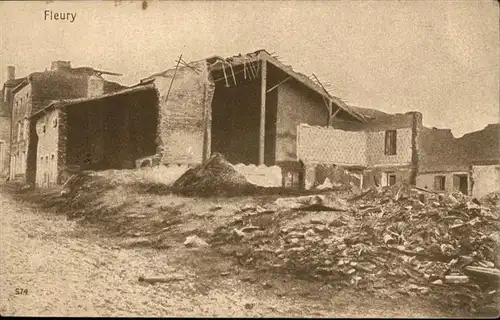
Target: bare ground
<point>67,268</point>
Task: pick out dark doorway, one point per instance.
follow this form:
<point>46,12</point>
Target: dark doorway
<point>235,129</point>
<point>461,183</point>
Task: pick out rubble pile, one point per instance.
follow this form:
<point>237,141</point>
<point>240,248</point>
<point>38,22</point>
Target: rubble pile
<point>214,177</point>
<point>392,240</point>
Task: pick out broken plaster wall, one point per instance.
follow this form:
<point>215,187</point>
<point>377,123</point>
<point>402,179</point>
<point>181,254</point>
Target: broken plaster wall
<point>184,114</point>
<point>262,175</point>
<point>296,105</point>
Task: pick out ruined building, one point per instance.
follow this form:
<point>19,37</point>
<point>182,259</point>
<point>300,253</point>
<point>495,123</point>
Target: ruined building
<point>34,93</point>
<point>392,148</point>
<point>6,102</point>
<point>247,107</point>
<point>256,111</point>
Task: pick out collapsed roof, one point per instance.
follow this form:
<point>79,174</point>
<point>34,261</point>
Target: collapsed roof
<point>251,69</point>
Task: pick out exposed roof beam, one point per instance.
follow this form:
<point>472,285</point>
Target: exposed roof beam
<point>279,84</point>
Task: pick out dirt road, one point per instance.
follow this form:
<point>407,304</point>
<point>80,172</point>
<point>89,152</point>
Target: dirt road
<point>52,266</point>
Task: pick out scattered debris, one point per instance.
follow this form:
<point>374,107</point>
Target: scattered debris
<point>249,306</point>
<point>195,241</point>
<point>170,278</point>
<point>312,203</point>
<point>398,238</point>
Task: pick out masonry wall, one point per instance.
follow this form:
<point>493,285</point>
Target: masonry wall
<point>62,146</point>
<point>4,145</point>
<point>426,180</point>
<point>47,149</point>
<point>296,105</point>
<point>378,176</point>
<point>57,84</point>
<point>485,179</point>
<point>22,104</point>
<point>375,148</point>
<point>331,146</point>
<point>362,145</point>
<point>184,113</point>
<point>112,132</point>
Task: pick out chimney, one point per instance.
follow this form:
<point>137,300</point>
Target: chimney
<point>11,73</point>
<point>58,65</point>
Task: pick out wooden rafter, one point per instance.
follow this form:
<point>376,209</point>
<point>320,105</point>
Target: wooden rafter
<point>279,84</point>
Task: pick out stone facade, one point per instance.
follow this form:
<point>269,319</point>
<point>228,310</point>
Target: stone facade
<point>466,164</point>
<point>184,113</point>
<point>34,93</point>
<point>47,130</point>
<point>4,143</point>
<point>362,146</point>
<point>331,146</point>
<point>22,106</point>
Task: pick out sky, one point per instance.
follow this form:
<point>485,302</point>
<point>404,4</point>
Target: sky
<point>438,58</point>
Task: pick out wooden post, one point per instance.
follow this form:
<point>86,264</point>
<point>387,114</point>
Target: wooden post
<point>263,84</point>
<point>330,110</point>
<point>207,116</point>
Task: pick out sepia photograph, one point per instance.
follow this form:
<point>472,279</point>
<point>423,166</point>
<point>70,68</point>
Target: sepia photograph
<point>305,159</point>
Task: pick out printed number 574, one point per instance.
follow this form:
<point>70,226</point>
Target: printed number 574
<point>21,291</point>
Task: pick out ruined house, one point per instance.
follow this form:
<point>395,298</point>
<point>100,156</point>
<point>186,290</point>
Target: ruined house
<point>246,107</point>
<point>6,103</point>
<point>469,164</point>
<point>381,151</point>
<point>34,93</point>
<point>258,113</point>
<point>106,131</point>
<point>392,148</point>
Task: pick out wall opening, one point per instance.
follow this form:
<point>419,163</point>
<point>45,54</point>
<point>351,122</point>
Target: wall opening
<point>235,130</point>
<point>439,183</point>
<point>388,179</point>
<point>112,133</point>
<point>461,183</point>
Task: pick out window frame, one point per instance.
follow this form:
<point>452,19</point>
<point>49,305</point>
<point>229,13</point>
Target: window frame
<point>440,183</point>
<point>390,142</point>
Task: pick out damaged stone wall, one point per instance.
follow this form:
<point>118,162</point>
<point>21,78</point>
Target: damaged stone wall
<point>427,180</point>
<point>112,132</point>
<point>47,149</point>
<point>375,148</point>
<point>321,175</point>
<point>185,114</point>
<point>20,129</point>
<point>62,146</point>
<point>362,145</point>
<point>327,145</point>
<point>4,145</point>
<point>378,176</point>
<point>485,179</point>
